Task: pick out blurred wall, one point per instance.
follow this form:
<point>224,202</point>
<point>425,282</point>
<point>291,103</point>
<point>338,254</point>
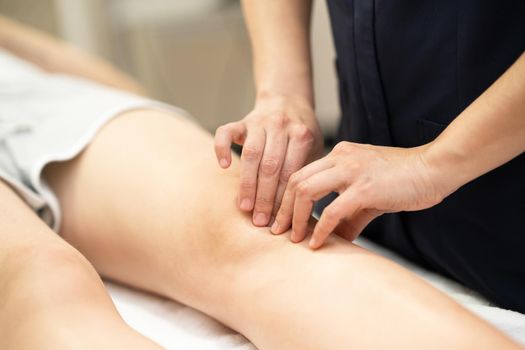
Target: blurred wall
<point>39,13</point>
<point>197,57</point>
<point>325,82</point>
<point>192,53</point>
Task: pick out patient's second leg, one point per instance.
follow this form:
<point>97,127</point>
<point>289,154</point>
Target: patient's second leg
<point>50,296</point>
<point>146,204</point>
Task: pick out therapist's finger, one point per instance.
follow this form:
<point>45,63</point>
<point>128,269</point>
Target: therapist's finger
<point>308,191</point>
<point>224,137</point>
<point>296,155</point>
<point>268,176</point>
<point>346,205</point>
<point>251,155</point>
<point>350,228</point>
<point>283,220</point>
<point>301,213</point>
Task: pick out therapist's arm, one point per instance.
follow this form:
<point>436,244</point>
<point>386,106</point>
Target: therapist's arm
<point>489,133</point>
<point>54,55</point>
<point>281,133</point>
<point>372,180</point>
<point>280,36</point>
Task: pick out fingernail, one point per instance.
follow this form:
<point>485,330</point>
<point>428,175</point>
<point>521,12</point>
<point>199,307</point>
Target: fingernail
<point>260,219</point>
<point>223,162</point>
<point>293,236</point>
<point>246,204</point>
<point>275,227</point>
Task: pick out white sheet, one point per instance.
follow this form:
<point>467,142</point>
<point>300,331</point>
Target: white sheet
<point>175,326</point>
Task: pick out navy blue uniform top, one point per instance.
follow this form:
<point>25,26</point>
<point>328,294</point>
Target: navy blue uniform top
<point>406,69</point>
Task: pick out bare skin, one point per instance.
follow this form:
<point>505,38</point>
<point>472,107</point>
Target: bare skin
<point>54,55</point>
<point>489,133</point>
<point>281,134</point>
<point>372,180</point>
<point>51,296</point>
<point>136,211</point>
<point>130,208</point>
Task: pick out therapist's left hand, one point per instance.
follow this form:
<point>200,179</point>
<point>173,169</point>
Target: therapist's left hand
<point>370,180</point>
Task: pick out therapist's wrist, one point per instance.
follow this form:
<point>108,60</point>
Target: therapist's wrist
<point>295,86</point>
<point>285,97</point>
<point>447,167</point>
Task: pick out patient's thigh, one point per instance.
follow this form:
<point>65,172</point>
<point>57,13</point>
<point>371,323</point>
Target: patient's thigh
<point>143,195</point>
<point>148,206</point>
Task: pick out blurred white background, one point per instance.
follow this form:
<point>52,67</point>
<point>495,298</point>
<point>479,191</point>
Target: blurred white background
<point>191,53</point>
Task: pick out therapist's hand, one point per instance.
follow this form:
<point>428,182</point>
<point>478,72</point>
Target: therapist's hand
<point>370,180</point>
<point>279,136</point>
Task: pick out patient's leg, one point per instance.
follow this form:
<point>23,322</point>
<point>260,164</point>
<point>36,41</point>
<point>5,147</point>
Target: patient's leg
<point>50,296</point>
<point>147,206</point>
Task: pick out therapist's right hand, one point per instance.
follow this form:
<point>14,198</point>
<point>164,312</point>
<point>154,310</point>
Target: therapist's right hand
<point>279,136</point>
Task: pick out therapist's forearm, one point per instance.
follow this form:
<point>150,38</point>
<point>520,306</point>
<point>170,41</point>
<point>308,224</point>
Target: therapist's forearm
<point>279,31</point>
<point>489,133</point>
<point>56,56</point>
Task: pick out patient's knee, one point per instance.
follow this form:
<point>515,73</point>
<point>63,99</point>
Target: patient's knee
<point>46,277</point>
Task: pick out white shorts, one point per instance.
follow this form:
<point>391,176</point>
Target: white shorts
<point>51,117</point>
